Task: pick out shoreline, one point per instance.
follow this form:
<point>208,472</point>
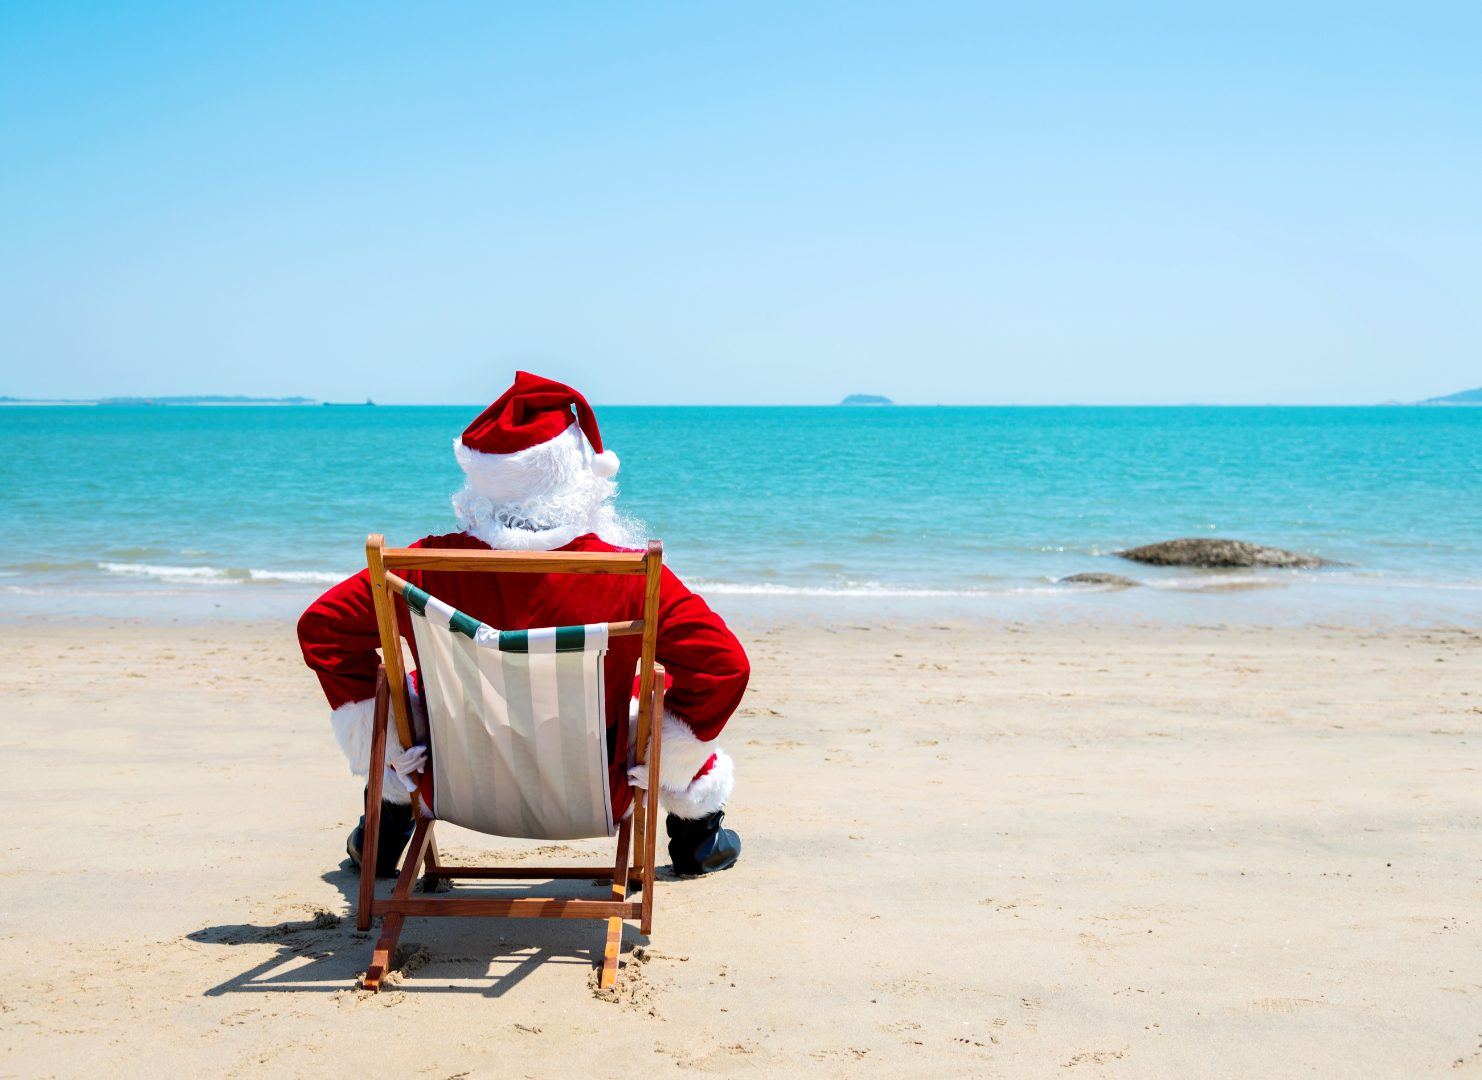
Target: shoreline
<point>1237,604</point>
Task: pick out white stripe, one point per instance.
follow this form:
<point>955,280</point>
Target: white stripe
<point>545,702</point>
<point>501,792</point>
<point>596,637</point>
<point>597,729</point>
<point>438,612</point>
<point>541,641</point>
<point>503,802</point>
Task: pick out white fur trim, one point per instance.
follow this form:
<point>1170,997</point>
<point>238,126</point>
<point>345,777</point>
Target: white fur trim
<point>606,464</point>
<point>681,755</point>
<point>542,497</point>
<point>706,795</point>
<point>352,730</point>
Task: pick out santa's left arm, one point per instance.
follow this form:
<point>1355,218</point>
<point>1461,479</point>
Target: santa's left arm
<point>707,674</point>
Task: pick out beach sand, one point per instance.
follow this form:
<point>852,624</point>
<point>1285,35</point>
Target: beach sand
<point>1018,852</point>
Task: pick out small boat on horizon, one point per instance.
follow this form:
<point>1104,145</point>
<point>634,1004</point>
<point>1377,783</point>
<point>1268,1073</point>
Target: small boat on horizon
<point>349,404</point>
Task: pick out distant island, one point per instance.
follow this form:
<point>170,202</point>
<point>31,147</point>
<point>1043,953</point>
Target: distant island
<point>1466,397</point>
<point>866,399</point>
<point>208,399</point>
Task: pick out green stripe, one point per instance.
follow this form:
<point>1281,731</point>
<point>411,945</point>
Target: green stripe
<point>568,638</point>
<point>416,599</point>
<point>466,625</point>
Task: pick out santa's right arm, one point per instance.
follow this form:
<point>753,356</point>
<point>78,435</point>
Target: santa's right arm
<point>339,637</point>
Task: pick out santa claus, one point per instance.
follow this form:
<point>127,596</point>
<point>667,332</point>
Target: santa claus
<point>537,479</point>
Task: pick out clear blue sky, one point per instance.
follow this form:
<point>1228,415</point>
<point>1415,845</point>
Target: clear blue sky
<point>743,203</point>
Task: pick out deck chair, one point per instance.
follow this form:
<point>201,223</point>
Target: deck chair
<point>516,732</point>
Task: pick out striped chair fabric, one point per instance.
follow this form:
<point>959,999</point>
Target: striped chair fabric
<point>517,726</point>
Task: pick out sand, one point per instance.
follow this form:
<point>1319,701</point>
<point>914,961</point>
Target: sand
<point>1050,851</point>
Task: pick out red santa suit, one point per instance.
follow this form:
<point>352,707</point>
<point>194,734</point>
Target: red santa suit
<point>539,480</point>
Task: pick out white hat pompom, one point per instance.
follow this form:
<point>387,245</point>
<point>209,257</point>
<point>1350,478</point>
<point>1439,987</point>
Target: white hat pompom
<point>605,464</point>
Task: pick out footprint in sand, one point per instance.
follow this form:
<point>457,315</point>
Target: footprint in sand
<point>1281,1006</point>
<point>1032,1007</point>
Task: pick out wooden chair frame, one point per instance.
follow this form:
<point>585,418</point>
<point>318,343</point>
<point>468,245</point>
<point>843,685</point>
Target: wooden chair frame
<point>641,825</point>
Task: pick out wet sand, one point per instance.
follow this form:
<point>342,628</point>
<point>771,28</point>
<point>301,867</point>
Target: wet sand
<point>968,852</point>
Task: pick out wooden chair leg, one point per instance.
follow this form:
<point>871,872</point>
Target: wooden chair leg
<point>646,921</point>
<point>655,758</point>
<point>391,926</point>
<point>430,875</point>
<point>619,893</point>
<point>610,952</point>
<point>370,839</point>
<point>639,832</point>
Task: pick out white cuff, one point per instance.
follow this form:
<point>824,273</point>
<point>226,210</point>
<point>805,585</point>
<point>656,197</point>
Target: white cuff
<point>681,755</point>
<point>706,795</point>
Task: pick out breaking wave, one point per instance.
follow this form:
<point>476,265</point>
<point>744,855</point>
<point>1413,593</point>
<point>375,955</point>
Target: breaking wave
<point>214,575</point>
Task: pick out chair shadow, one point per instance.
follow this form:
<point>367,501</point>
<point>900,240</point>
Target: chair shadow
<point>326,954</point>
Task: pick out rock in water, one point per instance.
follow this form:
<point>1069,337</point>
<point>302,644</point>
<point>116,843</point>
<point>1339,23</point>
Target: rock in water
<point>1210,552</point>
<point>1116,580</point>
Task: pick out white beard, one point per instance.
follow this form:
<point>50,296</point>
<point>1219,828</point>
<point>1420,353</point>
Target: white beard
<point>541,498</point>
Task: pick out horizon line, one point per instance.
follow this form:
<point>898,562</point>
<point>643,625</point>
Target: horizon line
<point>186,401</point>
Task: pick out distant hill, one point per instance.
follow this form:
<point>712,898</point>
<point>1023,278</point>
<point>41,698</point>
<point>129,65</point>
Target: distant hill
<point>1466,397</point>
<point>238,399</point>
<point>866,399</point>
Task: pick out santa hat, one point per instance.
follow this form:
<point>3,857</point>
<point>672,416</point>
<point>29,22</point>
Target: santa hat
<point>531,413</point>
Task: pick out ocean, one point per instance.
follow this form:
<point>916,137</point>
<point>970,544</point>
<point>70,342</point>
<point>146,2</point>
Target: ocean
<point>775,513</point>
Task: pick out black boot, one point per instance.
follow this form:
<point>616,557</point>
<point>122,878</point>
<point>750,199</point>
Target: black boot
<point>397,823</point>
<point>701,846</point>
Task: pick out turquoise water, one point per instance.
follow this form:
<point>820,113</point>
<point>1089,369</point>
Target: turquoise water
<point>932,511</point>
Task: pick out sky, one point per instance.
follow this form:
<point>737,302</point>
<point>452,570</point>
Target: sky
<point>761,203</point>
